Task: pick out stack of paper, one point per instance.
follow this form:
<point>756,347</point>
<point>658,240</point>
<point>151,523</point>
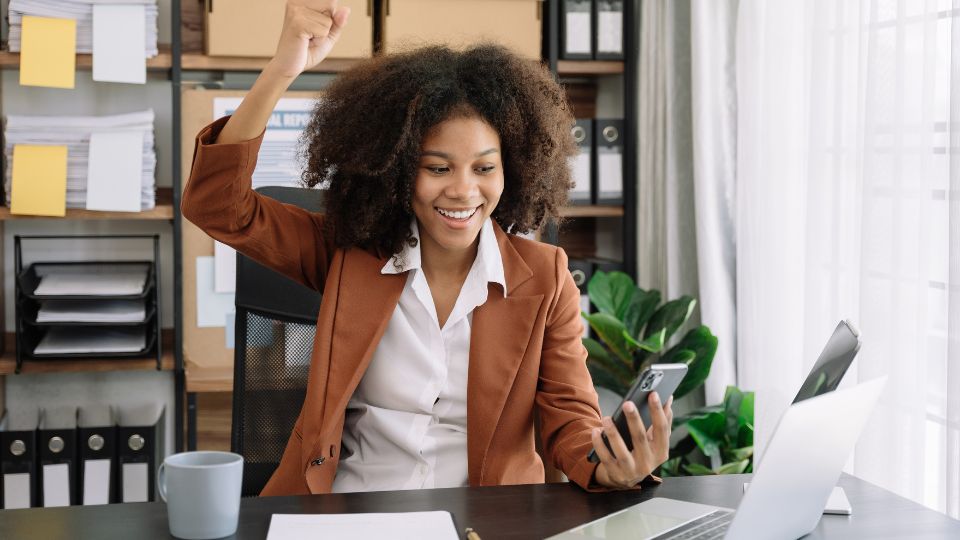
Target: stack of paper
<point>82,12</point>
<point>277,161</point>
<point>74,340</point>
<point>92,311</point>
<point>110,159</point>
<point>92,282</point>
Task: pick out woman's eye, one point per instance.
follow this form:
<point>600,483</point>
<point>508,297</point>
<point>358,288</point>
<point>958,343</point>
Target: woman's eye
<point>486,170</point>
<point>438,170</point>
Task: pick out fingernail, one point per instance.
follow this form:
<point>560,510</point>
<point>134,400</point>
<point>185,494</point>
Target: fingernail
<point>629,407</point>
<point>656,398</point>
<point>596,431</point>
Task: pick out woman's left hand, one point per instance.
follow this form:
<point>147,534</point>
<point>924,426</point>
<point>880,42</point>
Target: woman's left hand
<point>651,446</point>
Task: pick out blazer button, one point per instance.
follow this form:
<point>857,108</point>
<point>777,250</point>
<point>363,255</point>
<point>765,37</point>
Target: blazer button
<point>318,461</point>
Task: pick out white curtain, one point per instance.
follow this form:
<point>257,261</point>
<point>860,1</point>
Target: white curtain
<point>848,206</point>
<point>714,137</point>
<point>666,238</point>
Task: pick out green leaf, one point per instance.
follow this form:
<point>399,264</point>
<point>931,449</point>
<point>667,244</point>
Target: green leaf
<point>680,420</point>
<point>734,467</point>
<point>697,469</point>
<point>611,292</point>
<point>598,354</point>
<point>602,377</point>
<point>610,331</point>
<point>745,436</point>
<point>671,316</point>
<point>641,308</point>
<point>746,409</point>
<point>731,405</point>
<point>702,342</point>
<point>707,431</point>
<point>739,454</point>
<point>652,344</point>
<point>670,467</point>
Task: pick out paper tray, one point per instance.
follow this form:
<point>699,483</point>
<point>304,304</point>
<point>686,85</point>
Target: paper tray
<point>30,278</point>
<point>31,342</point>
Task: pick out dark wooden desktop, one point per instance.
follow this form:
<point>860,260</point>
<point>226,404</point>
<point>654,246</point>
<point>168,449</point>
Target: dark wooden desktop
<point>530,511</point>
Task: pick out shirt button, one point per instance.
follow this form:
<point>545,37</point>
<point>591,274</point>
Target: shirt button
<point>318,461</point>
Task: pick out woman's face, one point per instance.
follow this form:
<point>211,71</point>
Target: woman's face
<point>458,184</point>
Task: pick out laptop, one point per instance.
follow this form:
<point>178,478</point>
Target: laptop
<point>803,461</point>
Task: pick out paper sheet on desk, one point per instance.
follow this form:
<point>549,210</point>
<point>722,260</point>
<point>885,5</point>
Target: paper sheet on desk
<point>396,526</point>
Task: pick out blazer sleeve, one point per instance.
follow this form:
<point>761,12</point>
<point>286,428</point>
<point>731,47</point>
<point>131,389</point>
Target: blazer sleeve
<point>220,200</point>
<point>566,400</point>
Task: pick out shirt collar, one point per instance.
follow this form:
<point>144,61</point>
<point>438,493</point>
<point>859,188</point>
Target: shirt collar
<point>489,261</point>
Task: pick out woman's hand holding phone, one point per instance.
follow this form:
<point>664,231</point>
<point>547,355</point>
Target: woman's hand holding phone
<point>310,30</point>
<point>623,468</point>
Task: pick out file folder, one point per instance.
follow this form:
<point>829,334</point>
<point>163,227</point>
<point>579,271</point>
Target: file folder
<point>581,165</point>
<point>609,147</point>
<point>582,271</point>
<point>57,447</point>
<point>608,42</point>
<point>96,438</point>
<point>576,29</point>
<point>18,458</point>
<point>139,451</point>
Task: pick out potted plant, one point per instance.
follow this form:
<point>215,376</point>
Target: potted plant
<point>635,331</point>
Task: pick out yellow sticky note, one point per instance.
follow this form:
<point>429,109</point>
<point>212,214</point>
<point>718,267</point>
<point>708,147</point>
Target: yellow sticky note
<point>48,52</point>
<point>39,180</point>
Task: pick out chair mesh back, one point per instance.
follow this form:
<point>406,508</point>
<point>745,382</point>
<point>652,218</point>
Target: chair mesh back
<point>276,362</point>
<point>275,327</point>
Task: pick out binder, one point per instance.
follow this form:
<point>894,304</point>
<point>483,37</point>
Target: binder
<point>18,458</point>
<point>609,148</point>
<point>576,29</point>
<point>582,271</point>
<point>96,439</point>
<point>581,165</point>
<point>608,37</point>
<point>139,451</point>
<point>57,447</point>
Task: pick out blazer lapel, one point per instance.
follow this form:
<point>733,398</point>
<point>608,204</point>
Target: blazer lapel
<point>499,337</point>
<point>365,301</point>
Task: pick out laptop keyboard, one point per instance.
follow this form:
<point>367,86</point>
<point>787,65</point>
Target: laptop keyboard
<point>709,527</point>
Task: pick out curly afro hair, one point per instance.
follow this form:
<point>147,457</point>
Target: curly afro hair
<point>364,139</point>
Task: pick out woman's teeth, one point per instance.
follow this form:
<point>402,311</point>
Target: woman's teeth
<point>457,214</point>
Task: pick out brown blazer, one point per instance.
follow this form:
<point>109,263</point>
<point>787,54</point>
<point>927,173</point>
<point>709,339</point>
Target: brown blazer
<point>525,349</point>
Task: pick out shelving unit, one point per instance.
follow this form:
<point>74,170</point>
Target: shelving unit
<point>162,62</point>
<point>183,57</point>
<point>8,362</point>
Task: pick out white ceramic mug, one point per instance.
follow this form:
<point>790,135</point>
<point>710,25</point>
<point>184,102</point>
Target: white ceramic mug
<point>202,492</point>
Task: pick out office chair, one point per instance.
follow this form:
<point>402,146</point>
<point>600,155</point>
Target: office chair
<point>274,329</point>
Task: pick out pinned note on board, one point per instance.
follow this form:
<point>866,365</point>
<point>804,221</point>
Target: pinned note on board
<point>39,186</point>
<point>48,52</point>
<point>118,43</point>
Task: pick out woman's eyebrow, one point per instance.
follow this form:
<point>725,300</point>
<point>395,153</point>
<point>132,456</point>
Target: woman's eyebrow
<point>444,155</point>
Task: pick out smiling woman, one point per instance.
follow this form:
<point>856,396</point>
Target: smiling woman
<point>441,333</point>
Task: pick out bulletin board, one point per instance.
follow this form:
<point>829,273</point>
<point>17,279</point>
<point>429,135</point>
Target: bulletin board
<point>207,360</point>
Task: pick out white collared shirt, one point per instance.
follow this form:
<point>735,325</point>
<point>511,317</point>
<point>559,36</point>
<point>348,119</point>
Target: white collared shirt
<point>406,423</point>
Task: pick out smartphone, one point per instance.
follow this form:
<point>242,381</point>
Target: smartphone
<point>660,378</point>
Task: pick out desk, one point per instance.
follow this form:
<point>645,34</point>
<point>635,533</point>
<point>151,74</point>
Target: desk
<point>531,511</point>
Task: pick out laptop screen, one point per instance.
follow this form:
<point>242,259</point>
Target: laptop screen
<point>833,363</point>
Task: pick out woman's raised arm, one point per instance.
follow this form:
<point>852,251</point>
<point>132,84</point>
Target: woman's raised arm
<point>310,30</point>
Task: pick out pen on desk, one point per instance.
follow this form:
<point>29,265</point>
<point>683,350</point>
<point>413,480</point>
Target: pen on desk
<point>472,534</point>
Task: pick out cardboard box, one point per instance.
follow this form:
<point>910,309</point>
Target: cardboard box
<point>252,28</point>
<point>516,24</point>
